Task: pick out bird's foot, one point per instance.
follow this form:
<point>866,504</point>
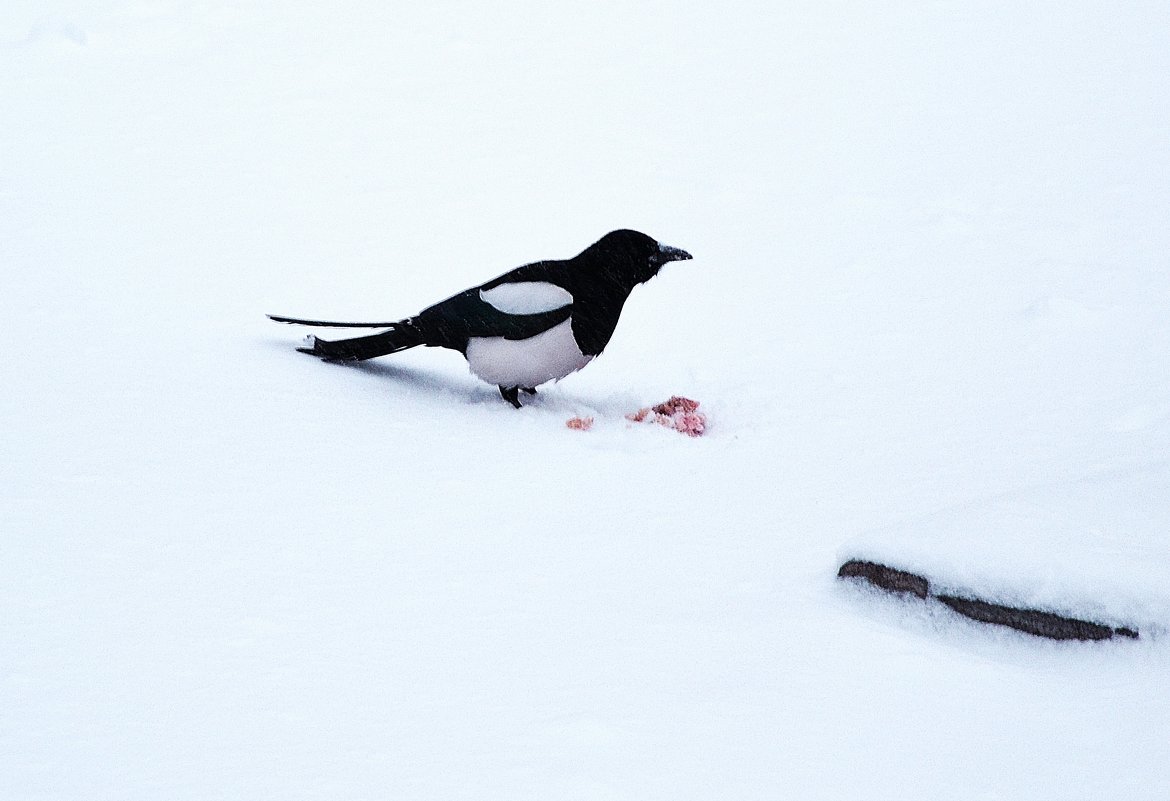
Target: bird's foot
<point>528,390</point>
<point>510,395</point>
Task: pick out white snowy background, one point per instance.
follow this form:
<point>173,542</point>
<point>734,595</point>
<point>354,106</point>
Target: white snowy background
<point>927,317</point>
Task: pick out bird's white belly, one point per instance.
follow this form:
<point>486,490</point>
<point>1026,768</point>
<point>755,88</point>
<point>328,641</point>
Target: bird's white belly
<point>549,356</point>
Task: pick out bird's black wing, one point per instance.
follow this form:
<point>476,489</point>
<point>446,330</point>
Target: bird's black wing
<point>450,323</point>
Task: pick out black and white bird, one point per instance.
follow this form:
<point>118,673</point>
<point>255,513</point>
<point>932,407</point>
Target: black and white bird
<point>534,324</point>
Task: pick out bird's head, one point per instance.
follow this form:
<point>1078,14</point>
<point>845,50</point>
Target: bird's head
<point>632,257</point>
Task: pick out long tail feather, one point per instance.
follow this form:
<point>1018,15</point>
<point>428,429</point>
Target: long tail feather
<point>325,323</point>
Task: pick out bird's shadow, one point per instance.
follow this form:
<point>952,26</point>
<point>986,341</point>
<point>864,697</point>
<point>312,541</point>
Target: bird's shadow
<point>426,382</point>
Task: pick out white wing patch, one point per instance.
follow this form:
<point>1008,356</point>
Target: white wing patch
<point>526,297</point>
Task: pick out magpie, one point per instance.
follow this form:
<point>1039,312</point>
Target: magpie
<point>536,323</point>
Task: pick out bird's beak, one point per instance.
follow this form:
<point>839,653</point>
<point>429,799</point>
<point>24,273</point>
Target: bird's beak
<point>667,253</point>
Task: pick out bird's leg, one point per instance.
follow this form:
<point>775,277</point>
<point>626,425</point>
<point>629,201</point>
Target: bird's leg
<point>509,394</point>
<point>528,390</point>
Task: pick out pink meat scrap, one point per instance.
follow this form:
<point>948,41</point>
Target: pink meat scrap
<point>681,414</point>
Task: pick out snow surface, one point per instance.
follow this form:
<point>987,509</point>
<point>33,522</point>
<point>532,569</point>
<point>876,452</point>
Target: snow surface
<point>928,300</point>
